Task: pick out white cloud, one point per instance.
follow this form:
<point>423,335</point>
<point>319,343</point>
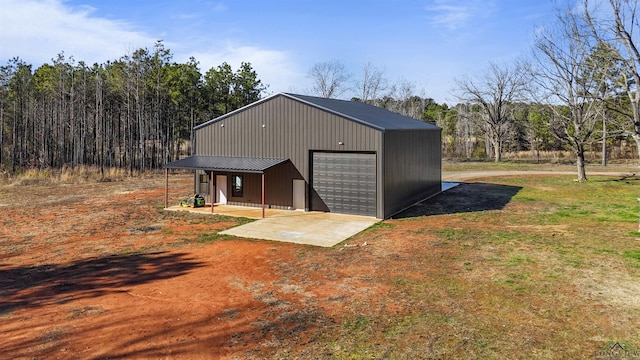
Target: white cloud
<point>454,14</point>
<point>38,30</point>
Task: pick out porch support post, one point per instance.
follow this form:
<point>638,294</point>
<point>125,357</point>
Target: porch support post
<point>166,188</point>
<point>212,196</point>
<point>263,195</point>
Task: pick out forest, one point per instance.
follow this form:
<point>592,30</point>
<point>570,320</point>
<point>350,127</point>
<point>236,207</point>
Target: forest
<point>135,113</point>
<point>574,97</point>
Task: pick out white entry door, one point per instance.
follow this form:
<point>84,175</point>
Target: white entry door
<point>221,189</point>
<point>299,194</point>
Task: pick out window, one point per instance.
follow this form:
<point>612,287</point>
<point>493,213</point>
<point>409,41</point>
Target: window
<point>204,178</point>
<point>236,186</point>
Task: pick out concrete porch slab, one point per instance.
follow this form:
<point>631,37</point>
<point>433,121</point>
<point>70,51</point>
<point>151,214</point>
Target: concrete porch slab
<point>309,228</point>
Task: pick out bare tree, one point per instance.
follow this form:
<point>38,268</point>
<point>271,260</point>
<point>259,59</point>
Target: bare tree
<point>403,98</point>
<point>569,83</point>
<point>329,78</point>
<point>617,26</point>
<point>495,91</point>
<point>466,130</point>
<point>371,84</point>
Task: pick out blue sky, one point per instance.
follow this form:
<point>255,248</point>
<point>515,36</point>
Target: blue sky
<point>427,43</point>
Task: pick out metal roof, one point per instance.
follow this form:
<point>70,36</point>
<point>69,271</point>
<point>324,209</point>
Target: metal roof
<point>225,163</point>
<point>363,113</point>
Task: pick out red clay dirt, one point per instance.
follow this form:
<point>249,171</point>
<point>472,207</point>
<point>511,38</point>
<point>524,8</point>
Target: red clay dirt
<point>98,270</point>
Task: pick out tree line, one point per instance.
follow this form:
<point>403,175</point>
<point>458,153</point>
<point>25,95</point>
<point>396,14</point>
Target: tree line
<point>583,73</point>
<point>503,109</point>
<point>136,112</point>
<point>576,89</point>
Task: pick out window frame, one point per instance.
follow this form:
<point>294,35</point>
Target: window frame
<point>237,187</point>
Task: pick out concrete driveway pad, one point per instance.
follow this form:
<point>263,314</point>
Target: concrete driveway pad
<point>309,228</point>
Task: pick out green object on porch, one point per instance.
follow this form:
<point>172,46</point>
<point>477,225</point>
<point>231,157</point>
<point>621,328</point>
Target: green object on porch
<point>195,201</point>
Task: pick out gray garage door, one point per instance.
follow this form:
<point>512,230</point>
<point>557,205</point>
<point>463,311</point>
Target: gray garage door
<point>345,182</point>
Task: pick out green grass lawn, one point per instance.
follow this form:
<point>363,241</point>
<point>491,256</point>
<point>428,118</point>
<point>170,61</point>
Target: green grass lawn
<point>552,272</point>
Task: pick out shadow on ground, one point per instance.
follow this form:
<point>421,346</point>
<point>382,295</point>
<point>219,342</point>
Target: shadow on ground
<point>40,285</point>
<point>213,336</point>
<point>631,179</point>
<point>466,197</point>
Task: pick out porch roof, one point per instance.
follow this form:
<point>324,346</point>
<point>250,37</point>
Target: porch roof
<point>225,163</point>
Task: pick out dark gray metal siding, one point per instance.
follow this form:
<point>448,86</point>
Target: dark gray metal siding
<point>286,128</point>
<point>412,167</point>
<point>344,182</point>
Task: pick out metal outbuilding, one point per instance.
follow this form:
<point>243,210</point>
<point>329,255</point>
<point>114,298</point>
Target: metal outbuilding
<point>301,152</point>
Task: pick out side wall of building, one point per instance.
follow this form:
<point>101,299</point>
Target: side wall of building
<point>412,167</point>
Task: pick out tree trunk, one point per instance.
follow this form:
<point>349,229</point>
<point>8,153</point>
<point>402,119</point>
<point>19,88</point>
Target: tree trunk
<point>604,141</point>
<point>496,143</point>
<point>636,137</point>
<point>497,150</point>
<point>488,146</point>
<point>582,174</point>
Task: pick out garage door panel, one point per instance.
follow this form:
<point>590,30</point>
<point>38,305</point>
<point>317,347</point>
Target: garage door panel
<point>345,182</point>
